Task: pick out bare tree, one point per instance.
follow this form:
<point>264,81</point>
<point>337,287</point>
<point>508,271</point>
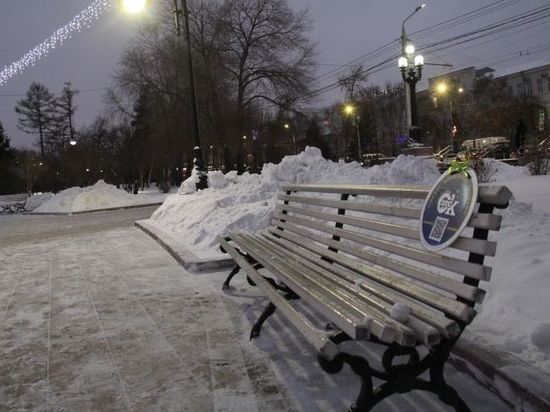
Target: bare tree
<point>66,111</point>
<point>266,51</point>
<point>248,54</point>
<point>353,82</point>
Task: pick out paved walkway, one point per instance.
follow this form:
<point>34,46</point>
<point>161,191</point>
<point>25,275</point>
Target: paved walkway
<point>95,316</point>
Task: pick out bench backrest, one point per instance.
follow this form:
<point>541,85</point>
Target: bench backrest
<point>372,230</point>
<point>6,199</point>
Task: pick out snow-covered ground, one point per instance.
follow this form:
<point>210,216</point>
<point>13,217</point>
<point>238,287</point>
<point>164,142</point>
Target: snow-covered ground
<point>515,314</point>
<point>98,196</point>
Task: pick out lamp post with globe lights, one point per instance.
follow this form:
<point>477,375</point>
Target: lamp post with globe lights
<point>411,71</point>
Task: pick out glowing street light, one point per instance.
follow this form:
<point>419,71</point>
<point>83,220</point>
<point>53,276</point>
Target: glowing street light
<point>441,88</point>
<point>349,109</point>
<point>134,6</point>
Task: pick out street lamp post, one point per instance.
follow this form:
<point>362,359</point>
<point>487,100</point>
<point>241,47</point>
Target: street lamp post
<point>292,136</point>
<point>349,109</point>
<point>442,89</point>
<point>198,160</point>
<point>411,70</point>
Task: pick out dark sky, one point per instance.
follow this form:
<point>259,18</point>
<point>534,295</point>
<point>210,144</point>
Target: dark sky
<point>343,31</point>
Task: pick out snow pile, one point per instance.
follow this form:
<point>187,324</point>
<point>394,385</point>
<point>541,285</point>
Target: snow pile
<point>246,202</point>
<point>37,199</point>
<point>516,309</point>
<point>501,171</point>
<point>99,196</point>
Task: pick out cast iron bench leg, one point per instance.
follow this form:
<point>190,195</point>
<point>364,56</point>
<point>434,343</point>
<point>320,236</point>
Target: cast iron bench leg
<point>233,272</point>
<point>443,390</point>
<point>268,311</point>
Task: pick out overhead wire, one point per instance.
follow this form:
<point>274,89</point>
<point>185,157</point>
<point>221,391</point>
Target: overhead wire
<point>512,22</point>
<point>442,26</point>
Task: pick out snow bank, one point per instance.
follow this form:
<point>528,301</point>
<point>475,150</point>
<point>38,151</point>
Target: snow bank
<point>501,171</point>
<point>36,200</point>
<point>99,196</point>
<point>246,202</point>
<point>515,312</point>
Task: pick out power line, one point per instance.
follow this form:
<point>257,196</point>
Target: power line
<point>445,25</point>
<point>508,23</point>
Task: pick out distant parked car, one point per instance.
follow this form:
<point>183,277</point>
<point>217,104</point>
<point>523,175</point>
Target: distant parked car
<point>372,159</point>
<point>480,143</point>
<point>497,147</point>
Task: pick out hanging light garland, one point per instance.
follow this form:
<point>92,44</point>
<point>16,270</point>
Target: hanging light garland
<point>81,21</point>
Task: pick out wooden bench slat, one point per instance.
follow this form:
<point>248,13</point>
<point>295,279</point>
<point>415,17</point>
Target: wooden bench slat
<point>492,195</point>
<point>478,220</point>
<point>349,324</point>
<point>429,297</point>
<point>485,221</point>
<point>426,276</point>
<point>415,192</point>
<point>370,318</point>
<point>320,341</point>
<point>481,247</point>
<point>473,270</point>
<point>386,210</point>
<point>330,306</point>
<point>426,333</point>
<point>405,335</point>
<point>435,318</point>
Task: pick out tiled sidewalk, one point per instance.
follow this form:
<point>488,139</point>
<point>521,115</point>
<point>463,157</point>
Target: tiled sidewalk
<point>107,320</point>
<point>111,322</point>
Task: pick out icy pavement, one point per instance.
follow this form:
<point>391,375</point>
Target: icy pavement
<point>96,316</point>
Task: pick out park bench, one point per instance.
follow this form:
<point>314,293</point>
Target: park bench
<point>352,254</point>
<point>13,203</point>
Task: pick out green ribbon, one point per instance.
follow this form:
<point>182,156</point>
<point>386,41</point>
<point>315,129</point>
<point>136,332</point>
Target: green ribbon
<point>458,166</point>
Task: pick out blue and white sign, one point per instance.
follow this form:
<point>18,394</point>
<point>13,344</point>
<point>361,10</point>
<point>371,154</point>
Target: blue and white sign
<point>447,209</point>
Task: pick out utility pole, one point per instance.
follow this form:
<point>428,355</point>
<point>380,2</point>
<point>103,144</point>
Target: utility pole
<point>198,159</point>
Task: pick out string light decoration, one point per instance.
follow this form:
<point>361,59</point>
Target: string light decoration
<point>81,21</point>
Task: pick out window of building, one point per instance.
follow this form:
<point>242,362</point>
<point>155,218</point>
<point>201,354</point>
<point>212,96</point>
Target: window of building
<point>519,89</point>
<point>539,86</point>
<point>528,88</point>
<point>542,118</point>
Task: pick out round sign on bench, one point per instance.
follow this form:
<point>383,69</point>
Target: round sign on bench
<point>448,209</point>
